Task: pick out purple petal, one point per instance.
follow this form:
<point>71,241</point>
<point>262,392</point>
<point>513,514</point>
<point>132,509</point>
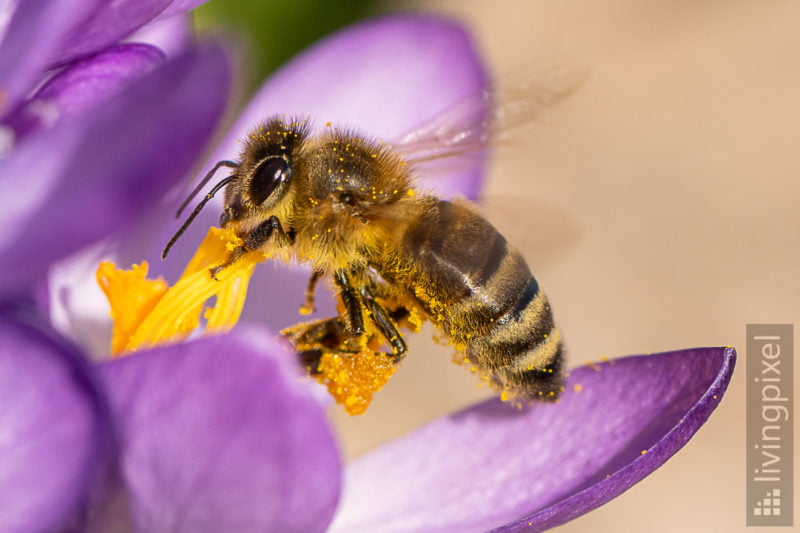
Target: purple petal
<point>107,24</point>
<point>51,429</point>
<point>32,35</point>
<point>85,84</point>
<point>171,35</point>
<point>383,77</point>
<point>85,179</point>
<point>491,465</point>
<point>178,7</point>
<point>223,435</point>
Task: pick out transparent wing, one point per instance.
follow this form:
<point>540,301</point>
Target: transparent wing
<point>489,117</point>
<point>543,231</point>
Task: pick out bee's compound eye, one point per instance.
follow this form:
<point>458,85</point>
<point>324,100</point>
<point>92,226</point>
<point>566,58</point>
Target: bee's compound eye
<point>269,173</point>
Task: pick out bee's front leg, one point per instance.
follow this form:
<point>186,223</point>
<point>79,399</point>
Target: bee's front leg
<point>255,240</point>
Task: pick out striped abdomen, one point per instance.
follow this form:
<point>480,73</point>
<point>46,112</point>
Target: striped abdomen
<point>480,292</point>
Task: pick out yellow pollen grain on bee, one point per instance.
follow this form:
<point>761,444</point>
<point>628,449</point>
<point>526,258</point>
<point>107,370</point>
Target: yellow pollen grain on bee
<point>410,192</point>
<point>504,396</point>
<point>341,159</point>
<point>327,124</point>
<point>330,171</point>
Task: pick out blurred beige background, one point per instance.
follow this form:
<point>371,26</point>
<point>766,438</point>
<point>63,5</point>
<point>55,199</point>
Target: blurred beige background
<point>678,160</point>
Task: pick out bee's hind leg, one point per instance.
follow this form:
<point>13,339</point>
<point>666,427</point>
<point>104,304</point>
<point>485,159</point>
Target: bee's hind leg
<point>314,339</point>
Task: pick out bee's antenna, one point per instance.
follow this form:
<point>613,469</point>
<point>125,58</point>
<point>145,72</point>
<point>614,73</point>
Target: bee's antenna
<point>229,164</point>
<point>197,209</point>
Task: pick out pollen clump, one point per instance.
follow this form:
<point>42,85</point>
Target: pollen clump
<point>147,313</point>
<point>352,379</point>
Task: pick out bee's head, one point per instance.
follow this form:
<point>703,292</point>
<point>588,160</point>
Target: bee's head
<point>265,171</point>
<point>260,179</point>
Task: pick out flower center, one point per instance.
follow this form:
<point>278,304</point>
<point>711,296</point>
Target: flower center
<point>147,313</point>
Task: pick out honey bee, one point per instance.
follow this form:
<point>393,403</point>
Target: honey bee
<point>349,206</point>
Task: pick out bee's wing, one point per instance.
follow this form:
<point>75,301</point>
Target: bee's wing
<point>488,117</point>
<point>543,231</point>
<point>456,137</point>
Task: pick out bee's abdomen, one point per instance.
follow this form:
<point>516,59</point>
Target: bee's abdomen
<point>481,293</point>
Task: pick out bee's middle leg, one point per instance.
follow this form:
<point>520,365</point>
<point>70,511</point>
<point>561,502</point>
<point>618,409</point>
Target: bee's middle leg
<point>308,304</point>
<point>352,303</point>
<point>385,324</point>
<point>355,301</point>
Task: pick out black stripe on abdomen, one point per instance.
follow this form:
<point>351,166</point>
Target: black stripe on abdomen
<point>521,331</point>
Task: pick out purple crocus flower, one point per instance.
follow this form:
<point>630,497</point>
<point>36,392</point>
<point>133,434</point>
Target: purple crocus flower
<point>221,433</point>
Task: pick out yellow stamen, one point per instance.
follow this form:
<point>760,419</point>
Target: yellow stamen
<point>132,297</point>
<point>146,313</point>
